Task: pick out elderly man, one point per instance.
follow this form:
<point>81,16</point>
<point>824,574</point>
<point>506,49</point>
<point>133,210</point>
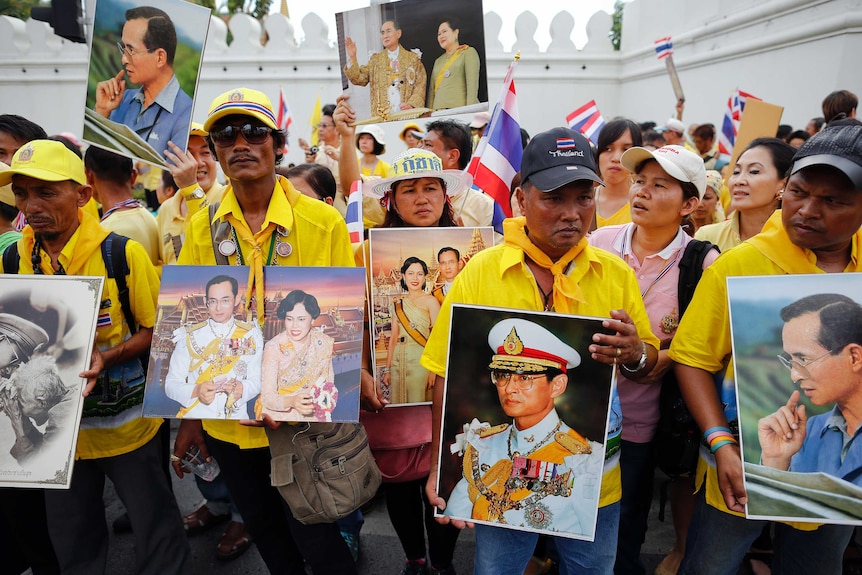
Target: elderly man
<point>114,441</point>
<point>547,264</point>
<point>816,231</point>
<point>262,220</point>
<point>396,75</point>
<point>557,469</point>
<point>159,111</point>
<point>822,338</point>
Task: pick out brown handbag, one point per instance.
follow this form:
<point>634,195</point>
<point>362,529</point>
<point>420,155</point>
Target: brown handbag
<point>400,439</point>
<point>324,471</point>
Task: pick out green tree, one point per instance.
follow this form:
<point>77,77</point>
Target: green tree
<point>17,8</point>
<point>616,32</point>
<point>254,8</point>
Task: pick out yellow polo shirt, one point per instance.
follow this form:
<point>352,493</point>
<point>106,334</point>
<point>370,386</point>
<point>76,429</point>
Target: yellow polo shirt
<point>723,234</point>
<point>172,224</point>
<point>112,433</point>
<point>316,232</point>
<point>498,276</point>
<point>702,339</point>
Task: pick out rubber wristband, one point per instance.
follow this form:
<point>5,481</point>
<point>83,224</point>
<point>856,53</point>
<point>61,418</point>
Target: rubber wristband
<point>719,444</point>
<point>711,430</point>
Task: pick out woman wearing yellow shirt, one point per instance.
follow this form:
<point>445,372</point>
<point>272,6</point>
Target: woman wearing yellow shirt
<point>369,141</point>
<point>612,199</point>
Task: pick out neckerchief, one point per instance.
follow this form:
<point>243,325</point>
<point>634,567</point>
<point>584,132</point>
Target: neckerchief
<point>257,243</point>
<point>565,288</point>
<point>130,203</point>
<point>75,254</point>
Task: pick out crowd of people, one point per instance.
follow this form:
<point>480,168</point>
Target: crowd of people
<point>600,231</point>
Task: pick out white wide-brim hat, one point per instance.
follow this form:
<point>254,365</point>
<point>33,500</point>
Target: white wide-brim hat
<point>417,163</point>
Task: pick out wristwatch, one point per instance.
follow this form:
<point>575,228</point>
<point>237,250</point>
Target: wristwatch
<point>196,194</point>
<point>640,364</point>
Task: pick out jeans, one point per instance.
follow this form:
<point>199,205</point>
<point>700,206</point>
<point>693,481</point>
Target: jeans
<point>637,470</point>
<point>717,543</point>
<point>218,496</point>
<point>501,551</point>
<point>412,516</point>
<point>282,541</point>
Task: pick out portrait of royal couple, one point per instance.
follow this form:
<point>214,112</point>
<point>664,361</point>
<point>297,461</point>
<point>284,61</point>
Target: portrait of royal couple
<point>213,361</point>
<point>396,77</point>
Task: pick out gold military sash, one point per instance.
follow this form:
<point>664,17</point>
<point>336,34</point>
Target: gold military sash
<point>441,74</point>
<point>213,353</point>
<point>405,323</point>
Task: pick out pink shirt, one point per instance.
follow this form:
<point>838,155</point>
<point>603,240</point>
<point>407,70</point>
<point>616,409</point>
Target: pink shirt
<point>658,278</point>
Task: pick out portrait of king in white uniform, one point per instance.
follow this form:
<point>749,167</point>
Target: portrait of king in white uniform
<point>532,472</point>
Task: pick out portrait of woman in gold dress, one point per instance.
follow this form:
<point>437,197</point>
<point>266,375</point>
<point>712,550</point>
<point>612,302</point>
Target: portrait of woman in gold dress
<point>297,378</point>
<point>413,317</point>
<point>454,79</point>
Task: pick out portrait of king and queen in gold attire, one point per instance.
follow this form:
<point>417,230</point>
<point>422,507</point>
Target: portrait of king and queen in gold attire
<point>407,59</point>
<point>212,358</point>
<point>411,270</point>
<point>525,417</point>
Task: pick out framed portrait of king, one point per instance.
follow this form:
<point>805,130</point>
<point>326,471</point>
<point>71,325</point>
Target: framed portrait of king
<point>797,350</point>
<point>526,421</point>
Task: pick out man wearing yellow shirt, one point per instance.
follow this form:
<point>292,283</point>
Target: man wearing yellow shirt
<point>194,173</point>
<point>50,187</point>
<point>816,231</point>
<point>546,263</point>
<point>262,220</point>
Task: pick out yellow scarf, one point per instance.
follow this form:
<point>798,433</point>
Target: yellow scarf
<point>565,289</point>
<point>260,242</point>
<point>75,254</point>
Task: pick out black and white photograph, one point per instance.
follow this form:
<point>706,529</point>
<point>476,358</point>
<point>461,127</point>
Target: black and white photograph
<point>47,328</point>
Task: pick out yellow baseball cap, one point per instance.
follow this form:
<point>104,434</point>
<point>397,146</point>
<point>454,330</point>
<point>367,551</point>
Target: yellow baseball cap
<point>6,195</point>
<point>198,130</point>
<point>45,160</point>
<point>244,101</point>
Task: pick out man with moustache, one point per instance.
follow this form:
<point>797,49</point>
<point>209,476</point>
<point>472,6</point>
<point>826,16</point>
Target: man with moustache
<point>448,262</point>
<point>262,220</point>
<point>816,231</point>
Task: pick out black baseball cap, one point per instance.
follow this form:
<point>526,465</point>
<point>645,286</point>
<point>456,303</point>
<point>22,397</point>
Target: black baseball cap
<point>558,157</point>
<point>839,147</point>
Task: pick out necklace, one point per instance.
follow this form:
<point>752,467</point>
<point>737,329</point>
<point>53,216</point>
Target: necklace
<point>276,245</point>
<point>36,260</point>
<point>536,447</point>
<point>130,203</point>
<point>545,296</point>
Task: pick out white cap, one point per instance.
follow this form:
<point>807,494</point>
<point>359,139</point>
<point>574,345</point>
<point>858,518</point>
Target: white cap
<point>375,132</point>
<point>678,162</point>
<point>523,346</point>
<point>673,125</point>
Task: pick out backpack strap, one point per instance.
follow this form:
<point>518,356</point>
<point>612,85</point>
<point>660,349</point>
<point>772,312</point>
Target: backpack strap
<point>11,259</point>
<point>691,269</point>
<point>118,268</point>
<point>219,231</point>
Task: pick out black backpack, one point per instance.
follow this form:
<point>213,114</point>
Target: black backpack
<point>677,439</point>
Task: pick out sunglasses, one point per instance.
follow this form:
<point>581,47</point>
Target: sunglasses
<point>251,133</point>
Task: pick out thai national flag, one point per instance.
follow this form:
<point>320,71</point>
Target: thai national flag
<point>663,48</point>
<point>354,213</point>
<point>498,155</point>
<point>284,119</point>
<point>730,124</point>
<point>587,120</point>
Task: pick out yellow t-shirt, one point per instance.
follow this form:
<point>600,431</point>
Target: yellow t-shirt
<point>380,169</point>
<point>498,276</point>
<point>703,337</point>
<point>171,222</point>
<point>723,234</point>
<point>318,236</point>
<point>114,433</point>
<point>621,216</point>
<point>139,225</point>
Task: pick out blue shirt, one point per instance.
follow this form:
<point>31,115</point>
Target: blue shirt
<point>828,448</point>
<point>167,118</point>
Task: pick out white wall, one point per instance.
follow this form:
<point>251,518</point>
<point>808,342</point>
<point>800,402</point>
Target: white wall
<point>788,52</point>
